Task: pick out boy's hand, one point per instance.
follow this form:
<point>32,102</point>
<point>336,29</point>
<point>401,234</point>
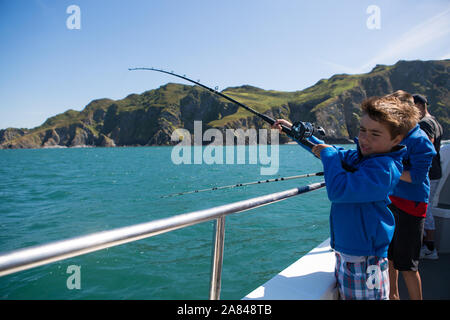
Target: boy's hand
<point>319,147</point>
<point>279,122</point>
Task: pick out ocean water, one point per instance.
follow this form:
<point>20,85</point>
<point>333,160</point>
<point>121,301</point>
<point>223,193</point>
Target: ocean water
<point>54,194</point>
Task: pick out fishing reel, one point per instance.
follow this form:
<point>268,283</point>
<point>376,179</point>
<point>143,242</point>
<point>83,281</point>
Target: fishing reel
<point>302,130</point>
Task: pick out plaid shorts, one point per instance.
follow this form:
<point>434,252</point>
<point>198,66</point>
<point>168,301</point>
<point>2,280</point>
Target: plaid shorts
<point>365,280</point>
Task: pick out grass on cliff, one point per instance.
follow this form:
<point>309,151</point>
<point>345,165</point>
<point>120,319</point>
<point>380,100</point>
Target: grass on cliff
<point>261,100</point>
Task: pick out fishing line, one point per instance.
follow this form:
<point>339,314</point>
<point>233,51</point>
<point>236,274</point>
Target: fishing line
<point>245,184</point>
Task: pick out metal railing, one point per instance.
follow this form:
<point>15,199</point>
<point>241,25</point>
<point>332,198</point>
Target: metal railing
<point>27,258</point>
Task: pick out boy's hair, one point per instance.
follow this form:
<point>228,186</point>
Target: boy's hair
<point>396,110</point>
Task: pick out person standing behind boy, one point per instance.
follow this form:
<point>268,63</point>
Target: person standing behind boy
<point>409,206</point>
<point>434,132</point>
<point>358,184</point>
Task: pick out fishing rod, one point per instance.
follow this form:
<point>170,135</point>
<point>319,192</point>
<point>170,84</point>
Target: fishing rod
<point>245,184</point>
<point>300,130</point>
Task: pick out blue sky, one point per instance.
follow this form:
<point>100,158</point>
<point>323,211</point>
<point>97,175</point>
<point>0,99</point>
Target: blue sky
<point>286,45</point>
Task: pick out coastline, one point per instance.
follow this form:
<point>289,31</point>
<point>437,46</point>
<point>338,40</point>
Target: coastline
<point>331,141</point>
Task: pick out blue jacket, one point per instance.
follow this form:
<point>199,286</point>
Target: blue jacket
<point>417,160</point>
<point>358,187</point>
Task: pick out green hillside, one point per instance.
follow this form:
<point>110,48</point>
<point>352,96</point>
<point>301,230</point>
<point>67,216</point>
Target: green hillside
<point>149,118</point>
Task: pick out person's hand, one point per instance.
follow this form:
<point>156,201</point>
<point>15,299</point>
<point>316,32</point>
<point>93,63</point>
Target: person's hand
<point>319,147</point>
<point>279,122</point>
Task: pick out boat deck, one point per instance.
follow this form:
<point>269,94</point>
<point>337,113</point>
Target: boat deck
<point>435,276</point>
<point>312,278</point>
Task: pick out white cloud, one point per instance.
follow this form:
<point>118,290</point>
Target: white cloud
<point>447,56</point>
<point>418,37</point>
<point>434,30</point>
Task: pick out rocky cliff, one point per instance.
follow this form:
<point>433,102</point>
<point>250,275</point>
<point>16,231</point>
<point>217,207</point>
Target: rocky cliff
<point>148,119</point>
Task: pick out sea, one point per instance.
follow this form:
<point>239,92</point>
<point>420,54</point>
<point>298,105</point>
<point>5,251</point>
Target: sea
<point>55,194</point>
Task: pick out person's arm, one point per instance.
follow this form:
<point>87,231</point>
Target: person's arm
<point>318,148</point>
<point>406,176</point>
<point>420,159</point>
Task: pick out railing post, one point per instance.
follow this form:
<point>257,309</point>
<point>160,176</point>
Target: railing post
<point>217,258</point>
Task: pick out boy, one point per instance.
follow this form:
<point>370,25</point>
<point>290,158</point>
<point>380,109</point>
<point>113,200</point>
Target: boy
<point>409,206</point>
<point>358,185</point>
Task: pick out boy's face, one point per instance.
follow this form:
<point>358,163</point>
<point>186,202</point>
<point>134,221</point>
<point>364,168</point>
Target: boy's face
<point>374,137</point>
